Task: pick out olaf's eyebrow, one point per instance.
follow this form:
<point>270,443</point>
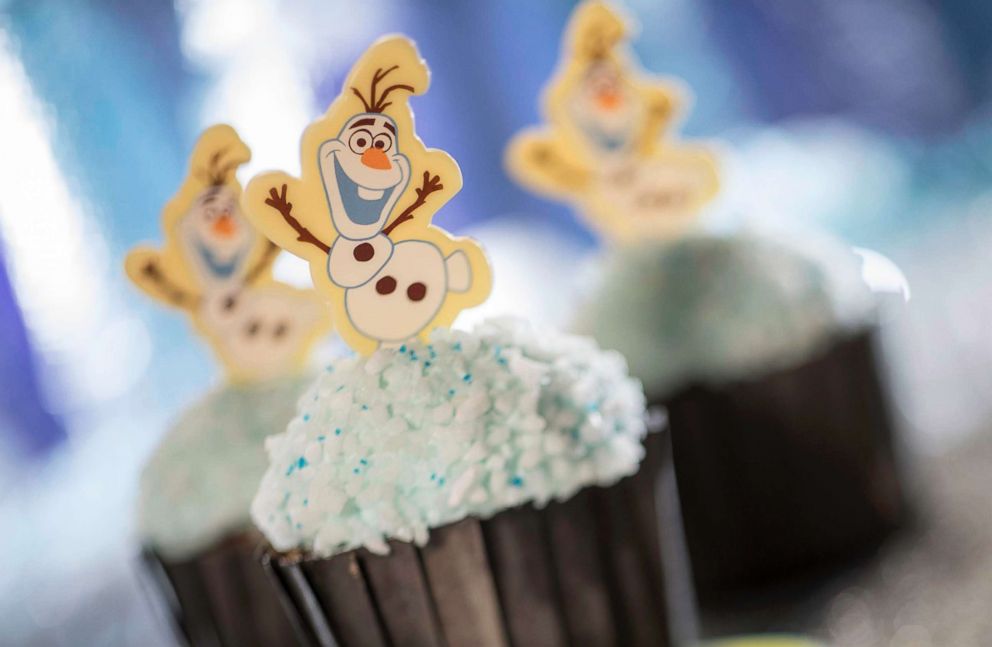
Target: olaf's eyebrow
<point>368,121</point>
<point>389,127</point>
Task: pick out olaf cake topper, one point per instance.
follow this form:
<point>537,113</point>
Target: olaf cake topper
<point>360,213</point>
<point>216,268</point>
<point>608,145</point>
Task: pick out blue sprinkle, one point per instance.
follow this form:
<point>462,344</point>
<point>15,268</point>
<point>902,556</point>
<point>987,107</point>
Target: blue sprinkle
<point>440,481</point>
<point>516,481</point>
<point>302,462</point>
<point>299,525</point>
<point>457,346</point>
<point>403,348</point>
<point>306,502</point>
<point>337,432</point>
<point>365,407</point>
<point>467,378</point>
<point>355,470</point>
<point>413,356</point>
<point>306,417</point>
<point>329,369</point>
<point>427,363</point>
<point>363,462</point>
<point>321,437</point>
<point>433,476</point>
<point>337,390</point>
<point>291,468</point>
<point>502,361</point>
<point>451,391</point>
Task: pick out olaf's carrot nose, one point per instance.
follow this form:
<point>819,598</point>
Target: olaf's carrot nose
<point>375,158</point>
<point>609,100</point>
<point>224,226</point>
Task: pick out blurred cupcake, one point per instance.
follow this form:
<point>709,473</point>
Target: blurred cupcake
<point>193,516</point>
<point>484,489</point>
<point>764,357</point>
<point>762,352</point>
<point>195,491</point>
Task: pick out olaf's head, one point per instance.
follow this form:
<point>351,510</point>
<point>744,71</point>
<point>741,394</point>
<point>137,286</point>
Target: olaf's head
<point>364,174</point>
<point>362,169</point>
<point>215,234</point>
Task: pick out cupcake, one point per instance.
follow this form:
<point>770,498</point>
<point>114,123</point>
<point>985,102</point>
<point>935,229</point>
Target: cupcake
<point>762,351</point>
<point>764,356</point>
<point>444,487</point>
<point>193,518</point>
<point>486,488</point>
<point>193,509</point>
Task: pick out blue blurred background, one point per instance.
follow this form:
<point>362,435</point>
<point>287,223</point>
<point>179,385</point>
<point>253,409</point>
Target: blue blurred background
<point>868,119</point>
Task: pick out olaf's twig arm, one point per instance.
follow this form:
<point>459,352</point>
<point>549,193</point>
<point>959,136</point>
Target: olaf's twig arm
<point>277,200</point>
<point>430,185</point>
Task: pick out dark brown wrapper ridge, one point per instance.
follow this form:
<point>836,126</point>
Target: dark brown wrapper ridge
<point>785,475</point>
<point>587,571</point>
<point>221,597</point>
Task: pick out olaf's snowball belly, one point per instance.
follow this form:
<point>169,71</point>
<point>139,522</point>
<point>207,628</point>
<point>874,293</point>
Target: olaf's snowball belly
<point>265,328</point>
<point>352,263</point>
<point>407,293</point>
<point>654,189</point>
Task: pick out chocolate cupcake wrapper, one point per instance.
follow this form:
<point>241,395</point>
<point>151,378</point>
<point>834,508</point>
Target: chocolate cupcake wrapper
<point>220,598</point>
<point>588,571</point>
<point>788,473</point>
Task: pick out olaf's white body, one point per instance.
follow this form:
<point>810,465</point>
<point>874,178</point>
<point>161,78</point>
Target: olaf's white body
<point>407,293</point>
<point>392,290</point>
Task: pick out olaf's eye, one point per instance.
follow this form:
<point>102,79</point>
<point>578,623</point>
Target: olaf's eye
<point>359,141</point>
<point>383,141</point>
<point>603,84</point>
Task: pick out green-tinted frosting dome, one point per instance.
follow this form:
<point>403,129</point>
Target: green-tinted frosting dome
<point>709,308</point>
<point>199,483</point>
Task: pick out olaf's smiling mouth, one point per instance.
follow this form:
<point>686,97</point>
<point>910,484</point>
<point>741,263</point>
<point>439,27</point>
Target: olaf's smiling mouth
<point>362,206</point>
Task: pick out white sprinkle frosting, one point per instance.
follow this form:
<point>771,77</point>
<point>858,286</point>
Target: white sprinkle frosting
<point>473,423</point>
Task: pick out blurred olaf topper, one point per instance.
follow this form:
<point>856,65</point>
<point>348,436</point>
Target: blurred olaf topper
<point>608,145</point>
<point>360,212</point>
<point>215,267</point>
